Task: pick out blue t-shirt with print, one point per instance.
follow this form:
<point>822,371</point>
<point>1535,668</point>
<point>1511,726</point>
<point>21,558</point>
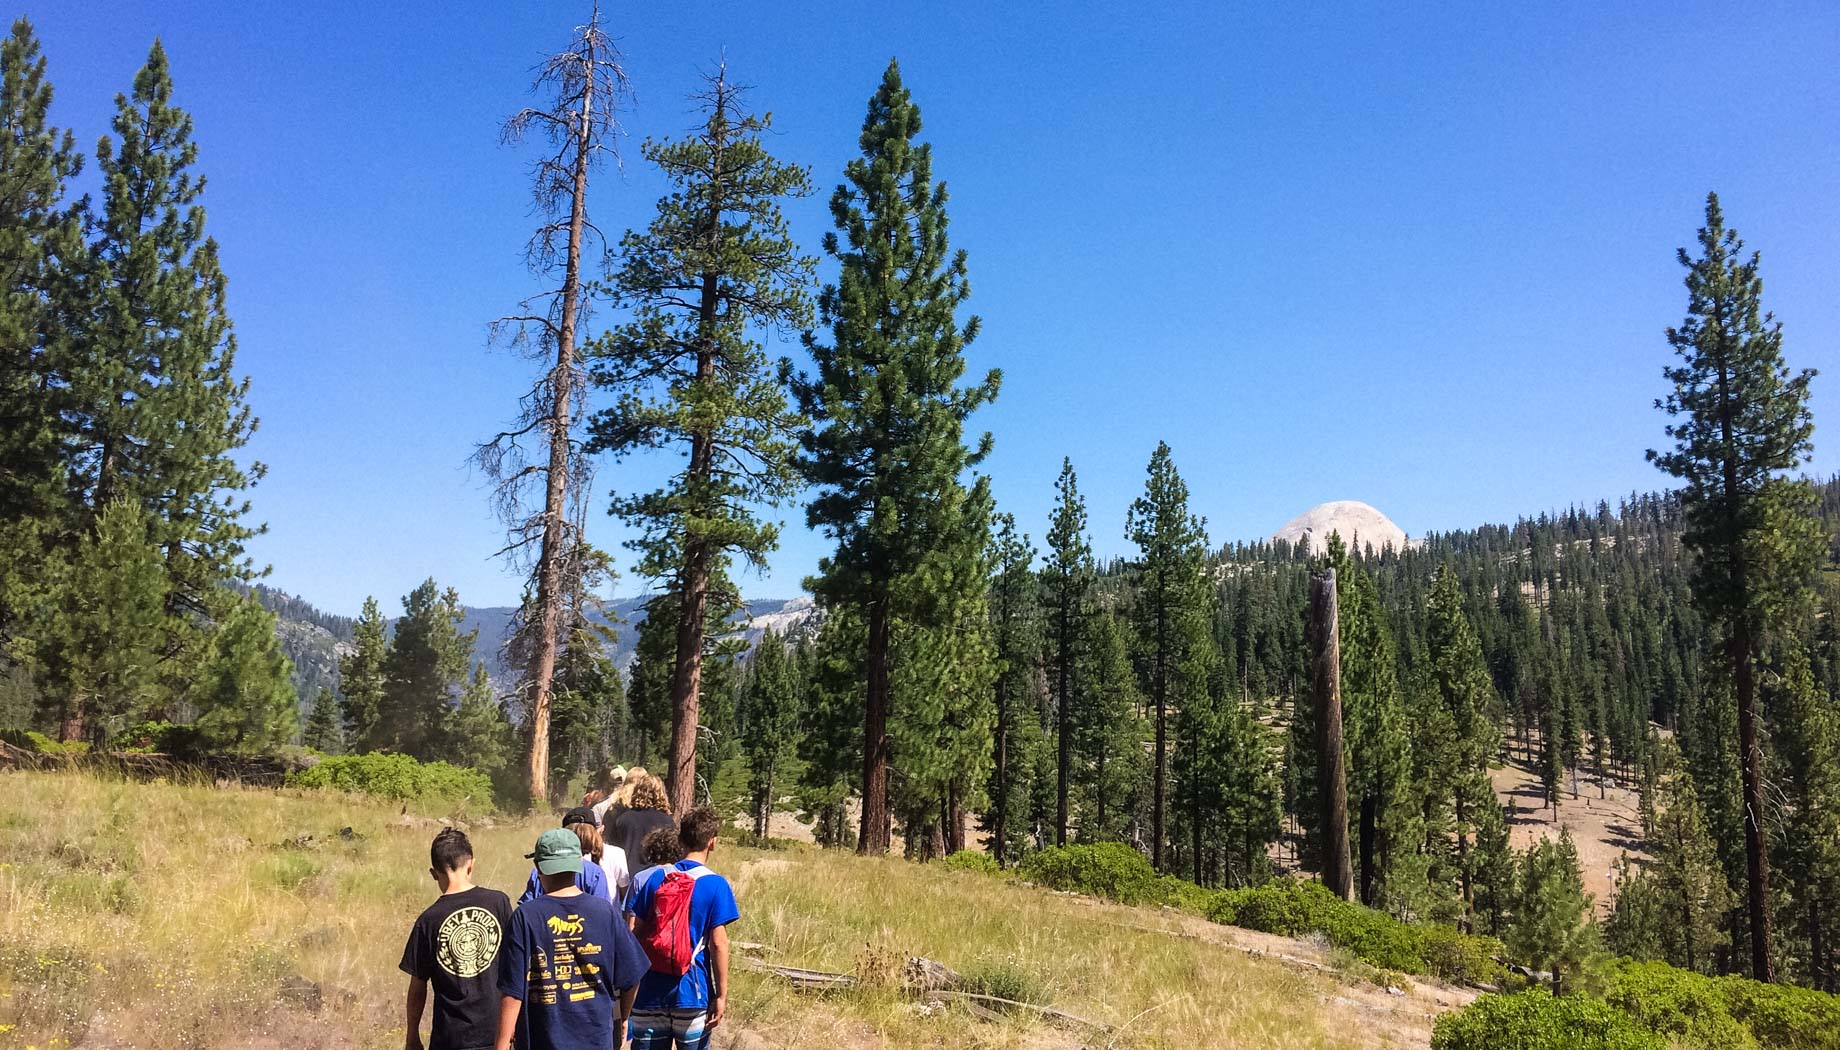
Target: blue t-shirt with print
<point>592,880</point>
<point>568,959</point>
<point>712,904</point>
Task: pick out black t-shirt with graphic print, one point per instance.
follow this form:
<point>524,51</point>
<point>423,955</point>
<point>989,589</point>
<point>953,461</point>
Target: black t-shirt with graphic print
<point>455,946</point>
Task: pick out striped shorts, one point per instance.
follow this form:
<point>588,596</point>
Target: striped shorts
<point>668,1029</point>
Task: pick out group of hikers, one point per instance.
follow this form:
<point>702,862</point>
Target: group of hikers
<point>620,931</point>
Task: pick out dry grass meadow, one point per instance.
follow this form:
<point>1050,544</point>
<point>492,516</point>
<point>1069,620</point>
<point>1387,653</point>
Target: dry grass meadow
<point>184,916</point>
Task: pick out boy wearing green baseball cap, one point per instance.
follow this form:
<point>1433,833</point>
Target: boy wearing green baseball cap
<point>570,967</point>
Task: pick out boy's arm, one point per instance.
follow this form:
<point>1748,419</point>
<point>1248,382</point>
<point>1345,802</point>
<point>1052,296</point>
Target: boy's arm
<point>507,1020</point>
<point>627,996</point>
<point>418,1001</point>
<point>718,943</point>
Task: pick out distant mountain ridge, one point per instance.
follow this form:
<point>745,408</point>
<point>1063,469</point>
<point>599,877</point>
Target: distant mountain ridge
<point>315,640</point>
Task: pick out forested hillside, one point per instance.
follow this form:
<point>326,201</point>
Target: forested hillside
<point>1249,717</point>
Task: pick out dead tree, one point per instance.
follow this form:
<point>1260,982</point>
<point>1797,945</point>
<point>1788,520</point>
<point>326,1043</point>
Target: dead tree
<point>1326,692</point>
<point>579,128</point>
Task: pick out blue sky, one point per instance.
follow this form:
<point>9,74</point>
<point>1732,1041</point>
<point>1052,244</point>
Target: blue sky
<point>1422,259</point>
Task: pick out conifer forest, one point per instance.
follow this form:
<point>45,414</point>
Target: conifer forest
<point>965,679</point>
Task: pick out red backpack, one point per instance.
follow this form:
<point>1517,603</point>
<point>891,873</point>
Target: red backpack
<point>665,934</point>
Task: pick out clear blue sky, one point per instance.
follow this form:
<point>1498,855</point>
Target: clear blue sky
<point>1422,260</point>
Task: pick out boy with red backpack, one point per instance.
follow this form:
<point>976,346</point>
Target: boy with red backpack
<point>681,914</point>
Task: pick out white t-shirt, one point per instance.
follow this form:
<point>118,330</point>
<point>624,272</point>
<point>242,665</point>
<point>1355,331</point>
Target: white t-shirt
<point>619,879</point>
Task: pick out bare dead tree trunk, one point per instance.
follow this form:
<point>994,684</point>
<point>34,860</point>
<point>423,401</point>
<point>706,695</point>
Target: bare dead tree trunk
<point>1326,692</point>
<point>585,80</point>
<point>555,494</point>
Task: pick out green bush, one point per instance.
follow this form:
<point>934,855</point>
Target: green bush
<point>1103,869</point>
<point>1004,980</point>
<point>1291,909</point>
<point>1185,895</point>
<point>972,860</point>
<point>1459,957</point>
<point>180,740</point>
<point>1281,906</point>
<point>32,740</point>
<point>1683,1006</point>
<point>1781,1016</point>
<point>430,786</point>
<point>1536,1020</point>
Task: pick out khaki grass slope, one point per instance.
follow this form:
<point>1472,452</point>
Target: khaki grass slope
<point>182,916</point>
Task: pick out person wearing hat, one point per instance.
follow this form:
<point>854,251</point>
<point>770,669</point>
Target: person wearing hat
<point>592,878</point>
<point>610,785</point>
<point>569,967</point>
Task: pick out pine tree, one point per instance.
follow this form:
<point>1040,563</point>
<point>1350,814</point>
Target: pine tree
<point>829,743</point>
<point>1743,424</point>
<point>1551,929</point>
<point>243,691</point>
<point>1015,632</point>
<point>887,448</point>
<point>323,732</point>
<point>1808,756</point>
<point>1067,581</point>
<point>945,680</point>
<point>1691,881</point>
<point>41,244</point>
<point>770,716</point>
<point>1373,722</point>
<point>98,632</point>
<point>1109,741</point>
<point>424,673</point>
<point>1171,611</point>
<point>717,265</point>
<point>476,733</point>
<point>585,85</point>
<point>361,679</point>
<point>158,409</point>
<point>1466,694</point>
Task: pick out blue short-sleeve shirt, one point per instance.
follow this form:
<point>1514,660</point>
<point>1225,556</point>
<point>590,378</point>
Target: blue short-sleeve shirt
<point>712,904</point>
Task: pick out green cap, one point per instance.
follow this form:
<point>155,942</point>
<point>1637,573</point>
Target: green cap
<point>558,850</point>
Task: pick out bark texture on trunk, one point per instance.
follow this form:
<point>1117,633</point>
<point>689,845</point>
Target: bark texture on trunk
<point>1326,694</point>
<point>555,493</point>
<point>873,836</point>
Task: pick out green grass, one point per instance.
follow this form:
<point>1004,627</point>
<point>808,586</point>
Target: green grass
<point>171,915</point>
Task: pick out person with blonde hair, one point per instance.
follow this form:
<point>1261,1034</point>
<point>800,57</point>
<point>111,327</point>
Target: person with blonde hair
<point>648,808</point>
<point>609,790</point>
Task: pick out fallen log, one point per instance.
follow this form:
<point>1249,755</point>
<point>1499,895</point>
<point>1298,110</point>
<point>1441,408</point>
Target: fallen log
<point>977,1002</point>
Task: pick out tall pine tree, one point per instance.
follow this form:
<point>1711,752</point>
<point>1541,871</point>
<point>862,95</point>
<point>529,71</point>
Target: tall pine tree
<point>1067,581</point>
<point>1742,424</point>
<point>1171,612</point>
<point>715,268</point>
<point>887,449</point>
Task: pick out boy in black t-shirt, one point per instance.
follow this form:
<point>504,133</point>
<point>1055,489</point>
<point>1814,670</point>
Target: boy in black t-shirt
<point>454,945</point>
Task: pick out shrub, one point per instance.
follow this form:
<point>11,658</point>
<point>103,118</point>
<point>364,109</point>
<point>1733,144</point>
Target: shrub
<point>1283,907</point>
<point>1004,980</point>
<point>1103,869</point>
<point>179,740</point>
<point>1460,957</point>
<point>1185,895</point>
<point>1536,1020</point>
<point>430,786</point>
<point>971,860</point>
<point>1685,1007</point>
<point>1292,909</point>
<point>34,741</point>
<point>1781,1016</point>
